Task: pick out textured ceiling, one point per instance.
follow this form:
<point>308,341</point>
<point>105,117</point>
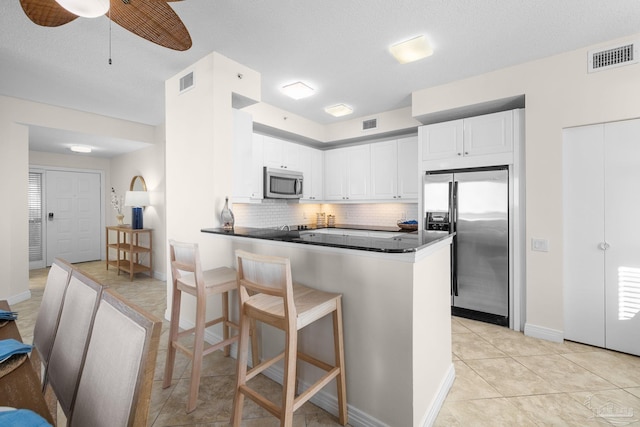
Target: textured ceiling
<point>337,46</point>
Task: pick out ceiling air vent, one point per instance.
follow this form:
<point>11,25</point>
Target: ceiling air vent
<point>613,57</point>
<point>186,82</point>
<point>369,124</point>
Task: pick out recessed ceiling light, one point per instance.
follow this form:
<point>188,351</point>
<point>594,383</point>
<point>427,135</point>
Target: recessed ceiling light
<point>339,110</point>
<point>80,149</point>
<point>297,90</point>
<point>411,50</point>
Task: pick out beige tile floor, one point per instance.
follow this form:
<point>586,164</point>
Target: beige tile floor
<point>503,378</point>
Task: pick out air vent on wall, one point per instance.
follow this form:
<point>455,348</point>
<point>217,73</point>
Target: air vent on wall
<point>369,124</point>
<point>616,56</point>
<point>186,82</point>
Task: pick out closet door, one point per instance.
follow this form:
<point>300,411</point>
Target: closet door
<point>622,230</point>
<point>584,228</point>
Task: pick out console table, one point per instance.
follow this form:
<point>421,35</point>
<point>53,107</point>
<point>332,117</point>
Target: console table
<point>129,246</point>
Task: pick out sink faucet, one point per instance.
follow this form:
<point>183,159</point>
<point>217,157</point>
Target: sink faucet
<point>285,227</point>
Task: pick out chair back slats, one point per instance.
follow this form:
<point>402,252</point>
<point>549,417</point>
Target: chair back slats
<point>46,324</point>
<point>69,346</point>
<point>116,379</point>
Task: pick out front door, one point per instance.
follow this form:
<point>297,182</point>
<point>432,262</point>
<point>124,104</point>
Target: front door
<point>73,206</point>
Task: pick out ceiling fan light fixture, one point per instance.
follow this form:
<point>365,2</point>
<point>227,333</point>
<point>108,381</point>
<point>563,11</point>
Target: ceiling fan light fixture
<point>339,110</point>
<point>85,8</point>
<point>411,50</point>
<point>297,90</point>
<point>80,149</point>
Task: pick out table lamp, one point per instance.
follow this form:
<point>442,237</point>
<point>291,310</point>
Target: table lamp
<point>137,200</point>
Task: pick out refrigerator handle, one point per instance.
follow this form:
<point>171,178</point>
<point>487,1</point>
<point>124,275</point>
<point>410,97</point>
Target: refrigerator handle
<point>453,190</point>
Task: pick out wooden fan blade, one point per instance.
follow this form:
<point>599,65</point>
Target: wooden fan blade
<point>47,13</point>
<point>153,20</point>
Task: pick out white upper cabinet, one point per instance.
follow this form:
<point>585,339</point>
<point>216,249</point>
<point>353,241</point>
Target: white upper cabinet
<point>280,154</point>
<point>442,140</point>
<point>394,170</point>
<point>409,179</point>
<point>245,172</point>
<point>311,165</point>
<point>348,173</point>
<point>488,134</point>
<point>384,170</point>
<point>473,142</point>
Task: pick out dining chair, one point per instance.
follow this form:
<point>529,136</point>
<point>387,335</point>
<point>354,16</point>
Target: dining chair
<point>72,336</point>
<point>117,375</point>
<point>188,276</point>
<point>267,294</point>
<point>49,315</point>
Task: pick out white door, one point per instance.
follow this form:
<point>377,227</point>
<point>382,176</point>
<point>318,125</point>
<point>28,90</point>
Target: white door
<point>583,237</point>
<point>73,206</point>
<point>622,231</point>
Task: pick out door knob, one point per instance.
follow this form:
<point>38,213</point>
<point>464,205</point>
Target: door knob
<point>50,216</point>
<point>604,246</point>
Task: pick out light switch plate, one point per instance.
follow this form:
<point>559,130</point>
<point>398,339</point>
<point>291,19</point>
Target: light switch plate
<point>540,245</point>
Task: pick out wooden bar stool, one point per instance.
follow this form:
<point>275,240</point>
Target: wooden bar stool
<point>268,295</point>
<point>187,276</point>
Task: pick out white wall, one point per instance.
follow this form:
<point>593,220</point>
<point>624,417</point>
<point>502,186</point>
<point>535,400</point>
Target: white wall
<point>199,137</point>
<point>148,163</point>
<point>15,115</point>
<point>559,93</point>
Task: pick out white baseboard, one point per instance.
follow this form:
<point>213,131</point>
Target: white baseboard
<point>543,333</point>
<point>430,417</point>
<point>19,298</point>
<point>160,275</point>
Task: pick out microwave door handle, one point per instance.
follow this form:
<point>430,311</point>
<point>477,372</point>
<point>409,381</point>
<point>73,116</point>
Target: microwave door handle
<point>298,186</point>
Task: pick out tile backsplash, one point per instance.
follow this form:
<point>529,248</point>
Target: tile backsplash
<point>274,213</point>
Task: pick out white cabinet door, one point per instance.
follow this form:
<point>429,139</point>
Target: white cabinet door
<point>583,224</point>
<point>280,154</point>
<point>488,134</point>
<point>358,169</point>
<point>272,152</point>
<point>335,162</point>
<point>442,140</point>
<point>347,173</point>
<point>311,165</point>
<point>408,171</point>
<point>242,155</point>
<point>384,170</point>
<point>622,232</point>
<point>257,168</point>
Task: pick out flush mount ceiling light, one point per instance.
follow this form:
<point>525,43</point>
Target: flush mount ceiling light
<point>80,149</point>
<point>411,50</point>
<point>339,110</point>
<point>297,90</point>
<point>85,8</point>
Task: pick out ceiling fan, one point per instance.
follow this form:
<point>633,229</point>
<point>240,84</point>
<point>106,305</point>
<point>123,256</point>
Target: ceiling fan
<point>153,20</point>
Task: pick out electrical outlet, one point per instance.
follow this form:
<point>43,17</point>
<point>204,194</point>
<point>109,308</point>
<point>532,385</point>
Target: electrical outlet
<point>540,245</point>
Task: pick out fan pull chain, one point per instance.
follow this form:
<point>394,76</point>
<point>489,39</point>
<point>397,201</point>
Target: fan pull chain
<point>109,35</point>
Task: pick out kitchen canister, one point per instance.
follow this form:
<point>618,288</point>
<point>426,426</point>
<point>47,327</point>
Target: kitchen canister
<point>331,220</point>
<point>320,219</point>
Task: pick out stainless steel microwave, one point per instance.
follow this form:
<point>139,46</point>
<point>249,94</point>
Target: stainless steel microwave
<point>282,184</point>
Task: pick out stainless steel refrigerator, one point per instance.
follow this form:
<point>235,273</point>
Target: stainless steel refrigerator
<point>473,203</point>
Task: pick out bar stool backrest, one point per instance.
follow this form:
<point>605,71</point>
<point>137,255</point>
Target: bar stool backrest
<point>263,274</point>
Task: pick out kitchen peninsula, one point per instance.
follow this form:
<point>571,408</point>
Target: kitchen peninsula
<point>396,312</point>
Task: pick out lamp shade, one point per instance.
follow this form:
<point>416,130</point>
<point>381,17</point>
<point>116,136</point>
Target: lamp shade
<point>85,8</point>
<point>136,198</point>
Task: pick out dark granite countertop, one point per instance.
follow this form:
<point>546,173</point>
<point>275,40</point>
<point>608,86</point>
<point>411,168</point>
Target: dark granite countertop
<point>399,243</point>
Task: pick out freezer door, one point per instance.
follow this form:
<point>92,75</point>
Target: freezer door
<point>482,240</point>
